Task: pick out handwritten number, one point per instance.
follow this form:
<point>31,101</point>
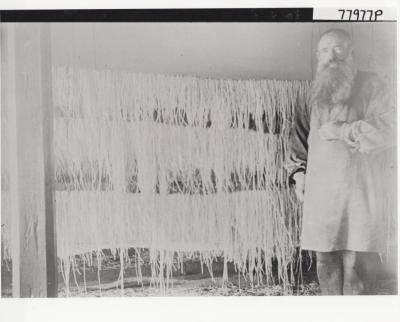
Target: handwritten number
<point>360,14</point>
<point>356,13</point>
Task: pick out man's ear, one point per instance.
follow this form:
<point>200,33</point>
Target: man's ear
<point>351,50</point>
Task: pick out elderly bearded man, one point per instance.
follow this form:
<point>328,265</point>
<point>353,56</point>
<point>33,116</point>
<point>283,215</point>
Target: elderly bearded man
<point>334,162</point>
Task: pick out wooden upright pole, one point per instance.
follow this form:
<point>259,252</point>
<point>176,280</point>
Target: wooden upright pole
<point>31,160</point>
<point>48,151</point>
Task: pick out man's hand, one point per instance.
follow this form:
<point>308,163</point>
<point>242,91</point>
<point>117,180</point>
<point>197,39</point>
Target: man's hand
<point>330,131</point>
<point>299,178</point>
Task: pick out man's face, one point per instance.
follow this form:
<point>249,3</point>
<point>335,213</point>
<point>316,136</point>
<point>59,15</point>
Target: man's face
<point>335,71</point>
<point>332,50</point>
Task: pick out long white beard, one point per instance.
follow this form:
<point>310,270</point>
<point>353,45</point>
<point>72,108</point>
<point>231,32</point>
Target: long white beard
<point>333,84</point>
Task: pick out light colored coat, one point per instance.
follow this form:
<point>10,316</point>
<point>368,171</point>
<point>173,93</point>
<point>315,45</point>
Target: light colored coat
<point>346,179</point>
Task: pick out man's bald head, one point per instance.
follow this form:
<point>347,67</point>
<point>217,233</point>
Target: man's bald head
<point>338,33</point>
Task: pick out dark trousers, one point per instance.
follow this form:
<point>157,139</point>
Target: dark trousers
<point>347,272</point>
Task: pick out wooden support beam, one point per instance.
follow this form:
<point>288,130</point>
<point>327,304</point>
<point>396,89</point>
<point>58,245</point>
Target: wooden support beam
<point>28,70</point>
<point>48,151</point>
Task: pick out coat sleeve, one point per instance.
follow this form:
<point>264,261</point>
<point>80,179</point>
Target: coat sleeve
<point>377,129</point>
<point>298,146</point>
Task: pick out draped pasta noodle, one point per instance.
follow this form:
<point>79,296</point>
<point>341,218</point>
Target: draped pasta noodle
<point>177,165</point>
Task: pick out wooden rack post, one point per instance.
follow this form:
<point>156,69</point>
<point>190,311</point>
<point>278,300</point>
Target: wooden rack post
<point>28,96</point>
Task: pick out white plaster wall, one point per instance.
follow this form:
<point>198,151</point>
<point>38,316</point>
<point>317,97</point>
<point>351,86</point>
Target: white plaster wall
<point>216,50</point>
